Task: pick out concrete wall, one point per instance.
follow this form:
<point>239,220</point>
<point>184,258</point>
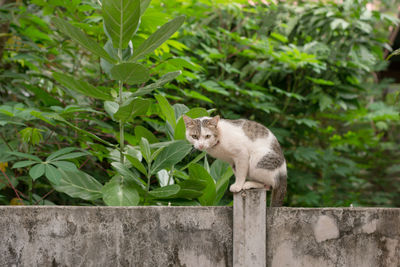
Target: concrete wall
<point>351,237</point>
<point>118,236</point>
<point>194,236</point>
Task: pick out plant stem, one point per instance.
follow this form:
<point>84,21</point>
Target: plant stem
<point>121,124</point>
<point>121,140</point>
<point>5,141</point>
<point>30,191</point>
<point>11,185</point>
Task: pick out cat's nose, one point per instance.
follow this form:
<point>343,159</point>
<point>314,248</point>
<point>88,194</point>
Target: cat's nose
<point>201,147</point>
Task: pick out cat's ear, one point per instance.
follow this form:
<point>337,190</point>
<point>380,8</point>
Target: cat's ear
<point>187,120</point>
<point>215,120</point>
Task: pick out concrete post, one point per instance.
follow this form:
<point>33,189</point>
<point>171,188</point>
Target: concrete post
<point>249,228</point>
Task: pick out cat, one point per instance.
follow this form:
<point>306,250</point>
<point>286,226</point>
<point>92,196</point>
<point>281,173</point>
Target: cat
<point>249,147</point>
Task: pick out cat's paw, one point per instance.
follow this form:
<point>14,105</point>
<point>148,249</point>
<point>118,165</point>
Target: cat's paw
<point>235,188</point>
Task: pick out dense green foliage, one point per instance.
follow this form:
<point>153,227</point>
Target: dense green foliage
<point>85,119</point>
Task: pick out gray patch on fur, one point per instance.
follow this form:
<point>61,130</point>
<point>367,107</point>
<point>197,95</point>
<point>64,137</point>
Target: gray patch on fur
<point>236,122</point>
<point>210,125</point>
<point>272,160</point>
<point>194,127</point>
<point>253,130</point>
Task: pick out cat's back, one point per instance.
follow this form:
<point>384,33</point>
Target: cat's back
<point>247,129</point>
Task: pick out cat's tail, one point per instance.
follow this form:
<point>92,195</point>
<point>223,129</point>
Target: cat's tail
<point>279,192</point>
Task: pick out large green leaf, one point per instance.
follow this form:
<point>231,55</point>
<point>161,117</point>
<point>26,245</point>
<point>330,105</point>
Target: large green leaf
<point>197,113</point>
<point>140,132</point>
<point>65,165</point>
<point>118,193</point>
<point>171,155</point>
<point>81,86</point>
<point>131,73</point>
<point>24,155</point>
<point>167,110</point>
<point>131,108</point>
<point>79,185</point>
<point>52,174</point>
<point>137,164</point>
<point>37,171</point>
<point>145,149</point>
<point>180,130</point>
<point>222,184</point>
<point>60,152</point>
<point>81,38</point>
<point>159,83</point>
<point>157,38</point>
<point>24,163</point>
<point>165,192</point>
<point>121,20</point>
<point>71,155</point>
<point>198,172</point>
<point>191,189</point>
<point>128,175</point>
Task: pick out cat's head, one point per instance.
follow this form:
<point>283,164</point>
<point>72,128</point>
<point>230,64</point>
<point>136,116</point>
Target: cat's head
<point>202,132</point>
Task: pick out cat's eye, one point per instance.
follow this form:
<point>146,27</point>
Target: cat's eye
<point>208,136</point>
<point>195,136</point>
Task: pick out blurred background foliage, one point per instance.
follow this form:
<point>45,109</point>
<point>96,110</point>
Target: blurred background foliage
<point>309,71</point>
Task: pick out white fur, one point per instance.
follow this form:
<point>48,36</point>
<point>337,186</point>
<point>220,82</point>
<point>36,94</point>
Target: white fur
<point>238,150</point>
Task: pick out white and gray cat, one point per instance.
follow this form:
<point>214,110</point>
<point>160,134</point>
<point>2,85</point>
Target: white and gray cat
<point>249,147</point>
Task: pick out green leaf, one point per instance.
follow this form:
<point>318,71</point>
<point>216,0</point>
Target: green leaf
<point>320,81</point>
<point>196,159</point>
<point>157,38</point>
<point>180,130</point>
<point>197,113</point>
<point>126,174</point>
<point>145,149</point>
<point>137,164</point>
<point>191,189</point>
<point>60,152</point>
<point>65,165</point>
<point>78,184</point>
<point>37,171</point>
<point>159,83</point>
<point>171,155</point>
<point>144,4</point>
<point>24,155</point>
<point>81,86</point>
<point>71,155</point>
<point>165,192</point>
<point>167,110</point>
<point>95,137</point>
<point>111,108</point>
<point>214,87</point>
<point>116,193</point>
<point>81,38</point>
<point>197,172</point>
<point>222,184</point>
<point>121,20</point>
<point>131,108</point>
<point>325,101</point>
<point>21,164</point>
<point>52,174</point>
<point>218,168</point>
<point>130,73</point>
<point>140,132</point>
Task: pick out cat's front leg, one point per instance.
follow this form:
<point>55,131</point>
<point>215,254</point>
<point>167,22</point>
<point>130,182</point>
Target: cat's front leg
<point>241,169</point>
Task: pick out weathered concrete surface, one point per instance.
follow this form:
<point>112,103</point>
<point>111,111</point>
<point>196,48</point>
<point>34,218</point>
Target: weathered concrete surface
<point>194,236</point>
<point>351,237</point>
<point>249,224</point>
<point>116,236</point>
